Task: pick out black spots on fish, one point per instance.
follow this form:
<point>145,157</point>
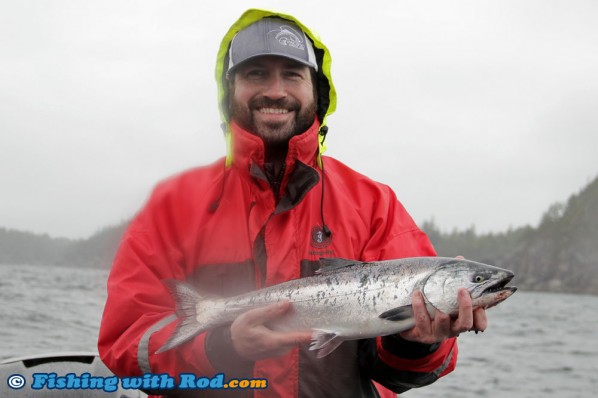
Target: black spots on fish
<point>378,297</point>
<point>364,280</point>
<point>320,295</point>
<point>377,280</point>
<point>358,296</point>
<point>328,302</point>
<point>361,297</point>
<point>330,284</point>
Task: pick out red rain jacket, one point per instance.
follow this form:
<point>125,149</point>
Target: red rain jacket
<point>221,228</point>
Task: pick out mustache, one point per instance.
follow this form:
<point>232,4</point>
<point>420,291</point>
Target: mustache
<point>284,103</point>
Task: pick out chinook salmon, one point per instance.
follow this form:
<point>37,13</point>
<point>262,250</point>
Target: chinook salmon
<point>347,299</point>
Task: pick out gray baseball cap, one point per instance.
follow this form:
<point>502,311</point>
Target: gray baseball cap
<point>271,36</point>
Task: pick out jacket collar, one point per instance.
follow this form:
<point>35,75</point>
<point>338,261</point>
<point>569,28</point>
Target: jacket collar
<point>249,149</point>
<point>300,175</point>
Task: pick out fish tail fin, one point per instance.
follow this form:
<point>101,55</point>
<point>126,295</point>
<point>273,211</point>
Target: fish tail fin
<point>187,300</point>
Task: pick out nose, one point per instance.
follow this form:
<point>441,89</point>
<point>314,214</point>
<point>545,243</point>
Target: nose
<point>275,88</point>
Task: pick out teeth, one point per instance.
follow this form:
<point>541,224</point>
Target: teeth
<point>273,110</point>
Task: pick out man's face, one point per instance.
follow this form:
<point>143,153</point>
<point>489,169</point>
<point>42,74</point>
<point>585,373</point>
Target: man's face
<point>273,97</point>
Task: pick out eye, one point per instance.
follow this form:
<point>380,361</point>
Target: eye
<point>293,75</point>
<point>478,278</point>
<point>255,74</point>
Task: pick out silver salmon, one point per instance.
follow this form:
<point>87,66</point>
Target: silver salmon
<point>348,299</point>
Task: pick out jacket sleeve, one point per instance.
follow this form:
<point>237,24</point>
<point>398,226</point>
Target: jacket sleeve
<point>139,312</point>
<point>393,362</point>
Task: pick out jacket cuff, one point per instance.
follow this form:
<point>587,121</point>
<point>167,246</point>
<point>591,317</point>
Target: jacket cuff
<point>406,349</point>
<point>221,352</point>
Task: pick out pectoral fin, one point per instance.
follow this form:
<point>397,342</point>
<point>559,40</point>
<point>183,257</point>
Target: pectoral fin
<point>324,342</point>
<point>398,314</point>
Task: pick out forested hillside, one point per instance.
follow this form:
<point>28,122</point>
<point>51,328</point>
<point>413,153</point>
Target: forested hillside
<point>561,254</point>
<point>17,247</point>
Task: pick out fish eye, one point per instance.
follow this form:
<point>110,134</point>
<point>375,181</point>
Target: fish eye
<point>478,278</point>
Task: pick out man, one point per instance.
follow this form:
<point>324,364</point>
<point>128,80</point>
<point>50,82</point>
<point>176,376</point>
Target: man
<point>264,215</point>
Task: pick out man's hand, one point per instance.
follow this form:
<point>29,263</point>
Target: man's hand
<point>253,340</point>
<point>443,326</point>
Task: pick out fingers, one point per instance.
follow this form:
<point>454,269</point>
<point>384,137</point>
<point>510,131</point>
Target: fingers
<point>464,321</point>
<point>253,340</point>
<point>469,319</point>
<point>259,316</point>
<point>480,322</point>
<point>443,326</point>
<point>425,330</point>
<point>276,343</point>
<point>420,313</point>
<point>294,338</point>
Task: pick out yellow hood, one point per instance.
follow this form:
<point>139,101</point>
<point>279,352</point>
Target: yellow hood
<point>326,92</point>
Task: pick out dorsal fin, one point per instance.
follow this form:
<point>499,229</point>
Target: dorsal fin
<point>328,265</point>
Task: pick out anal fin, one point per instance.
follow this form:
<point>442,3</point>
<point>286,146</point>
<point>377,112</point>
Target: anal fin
<point>324,342</point>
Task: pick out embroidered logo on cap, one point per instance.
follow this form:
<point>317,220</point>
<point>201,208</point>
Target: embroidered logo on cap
<point>288,36</point>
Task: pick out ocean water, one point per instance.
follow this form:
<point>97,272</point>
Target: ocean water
<point>536,345</point>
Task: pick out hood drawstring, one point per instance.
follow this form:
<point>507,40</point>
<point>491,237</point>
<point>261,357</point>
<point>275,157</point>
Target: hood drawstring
<point>323,131</point>
<point>216,203</point>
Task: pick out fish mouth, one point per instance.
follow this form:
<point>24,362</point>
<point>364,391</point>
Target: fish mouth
<point>495,293</point>
<point>501,286</point>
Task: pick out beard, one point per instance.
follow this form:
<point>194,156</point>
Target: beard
<point>273,133</point>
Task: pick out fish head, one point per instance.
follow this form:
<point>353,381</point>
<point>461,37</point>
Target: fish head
<point>485,283</point>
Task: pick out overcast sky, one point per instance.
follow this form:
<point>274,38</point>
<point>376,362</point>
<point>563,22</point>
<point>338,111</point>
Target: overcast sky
<point>476,112</point>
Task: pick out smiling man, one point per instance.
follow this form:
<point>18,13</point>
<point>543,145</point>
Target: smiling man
<point>259,217</point>
<point>273,97</point>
